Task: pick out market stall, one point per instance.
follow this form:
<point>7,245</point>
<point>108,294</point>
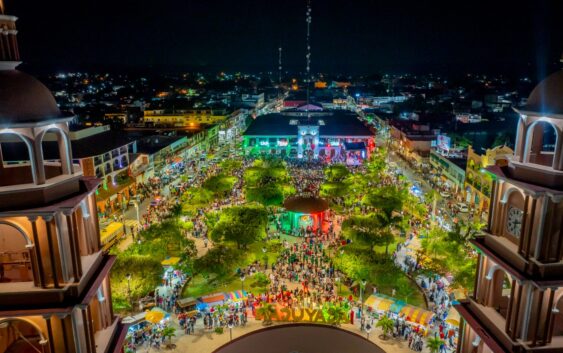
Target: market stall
<point>236,296</point>
<point>415,315</point>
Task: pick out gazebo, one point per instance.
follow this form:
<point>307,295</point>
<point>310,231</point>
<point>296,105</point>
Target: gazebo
<point>303,212</point>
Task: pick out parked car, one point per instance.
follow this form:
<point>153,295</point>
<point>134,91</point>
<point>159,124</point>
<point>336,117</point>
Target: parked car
<point>445,194</point>
<point>463,208</point>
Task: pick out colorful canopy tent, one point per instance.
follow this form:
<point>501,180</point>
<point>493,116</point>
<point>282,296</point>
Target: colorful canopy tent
<point>210,300</point>
<point>236,296</point>
<point>416,315</point>
<point>171,261</point>
<point>378,302</point>
<point>453,317</point>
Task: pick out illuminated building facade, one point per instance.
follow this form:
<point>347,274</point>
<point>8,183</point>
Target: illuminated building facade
<point>185,117</point>
<point>478,183</point>
<point>517,304</point>
<point>331,135</point>
<point>55,295</point>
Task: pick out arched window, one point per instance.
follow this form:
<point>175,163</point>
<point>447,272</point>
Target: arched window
<point>23,336</point>
<point>15,258</point>
<point>10,172</point>
<point>501,285</point>
<point>541,139</point>
<point>55,146</point>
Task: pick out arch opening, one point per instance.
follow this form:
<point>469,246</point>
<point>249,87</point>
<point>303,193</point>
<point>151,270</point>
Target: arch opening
<point>15,258</point>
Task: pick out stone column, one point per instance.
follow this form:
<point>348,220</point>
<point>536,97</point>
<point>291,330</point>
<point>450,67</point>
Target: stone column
<point>38,163</point>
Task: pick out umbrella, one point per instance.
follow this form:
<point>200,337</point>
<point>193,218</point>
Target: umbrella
<point>154,316</point>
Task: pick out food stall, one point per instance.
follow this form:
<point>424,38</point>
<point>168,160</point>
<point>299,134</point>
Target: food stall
<point>188,306</point>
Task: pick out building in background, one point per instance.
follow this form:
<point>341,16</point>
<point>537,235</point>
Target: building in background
<point>478,183</point>
<point>55,294</point>
<point>307,134</point>
<point>193,117</point>
<point>517,303</point>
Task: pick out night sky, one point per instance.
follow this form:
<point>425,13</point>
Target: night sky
<point>359,36</point>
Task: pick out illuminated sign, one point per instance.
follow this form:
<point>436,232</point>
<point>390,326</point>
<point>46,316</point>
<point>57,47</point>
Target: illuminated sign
<point>264,143</point>
<point>286,314</point>
<point>282,143</point>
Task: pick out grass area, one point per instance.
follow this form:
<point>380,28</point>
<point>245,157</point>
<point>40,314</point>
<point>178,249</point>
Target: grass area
<point>200,285</point>
<point>359,262</point>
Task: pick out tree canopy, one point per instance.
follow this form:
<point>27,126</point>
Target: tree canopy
<point>242,225</point>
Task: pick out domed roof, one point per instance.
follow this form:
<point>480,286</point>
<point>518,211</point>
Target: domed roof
<point>547,96</point>
<point>305,204</point>
<point>23,99</point>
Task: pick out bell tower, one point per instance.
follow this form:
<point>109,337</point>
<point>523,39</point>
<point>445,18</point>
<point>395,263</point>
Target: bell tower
<point>517,303</point>
<point>55,294</point>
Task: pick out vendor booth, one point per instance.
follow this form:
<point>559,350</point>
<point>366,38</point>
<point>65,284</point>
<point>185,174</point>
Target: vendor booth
<point>236,296</point>
<point>304,213</point>
<point>208,301</point>
<point>188,306</point>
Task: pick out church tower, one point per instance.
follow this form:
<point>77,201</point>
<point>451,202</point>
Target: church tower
<point>55,295</point>
<point>517,304</point>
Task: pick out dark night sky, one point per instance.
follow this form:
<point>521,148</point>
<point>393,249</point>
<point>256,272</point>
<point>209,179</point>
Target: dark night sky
<point>349,36</point>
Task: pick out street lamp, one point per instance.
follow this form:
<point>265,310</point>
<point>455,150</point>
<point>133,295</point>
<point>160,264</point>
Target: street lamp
<point>362,286</point>
<point>128,276</point>
<point>242,278</point>
<point>265,258</point>
<point>230,326</point>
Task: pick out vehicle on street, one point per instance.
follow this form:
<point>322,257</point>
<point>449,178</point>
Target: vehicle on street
<point>463,208</point>
<point>445,194</point>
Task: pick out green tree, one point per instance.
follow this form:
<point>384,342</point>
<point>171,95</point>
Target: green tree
<point>169,332</point>
<point>337,314</point>
<point>220,185</point>
<point>266,311</point>
<point>434,344</point>
<point>242,225</point>
<point>386,324</point>
<point>336,173</point>
<point>228,166</point>
<point>367,230</point>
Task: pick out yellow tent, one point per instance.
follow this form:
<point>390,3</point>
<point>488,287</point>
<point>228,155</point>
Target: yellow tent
<point>378,303</point>
<point>417,315</point>
<point>453,317</point>
<point>171,261</point>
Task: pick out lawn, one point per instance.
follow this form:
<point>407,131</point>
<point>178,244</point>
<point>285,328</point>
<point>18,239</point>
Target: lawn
<point>200,285</point>
<point>359,262</point>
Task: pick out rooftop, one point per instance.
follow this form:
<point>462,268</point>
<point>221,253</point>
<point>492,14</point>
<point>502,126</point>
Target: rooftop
<point>336,123</point>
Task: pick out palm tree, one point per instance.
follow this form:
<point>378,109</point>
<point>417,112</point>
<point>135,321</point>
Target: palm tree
<point>266,310</point>
<point>169,332</point>
<point>386,324</point>
<point>434,344</point>
<point>337,314</point>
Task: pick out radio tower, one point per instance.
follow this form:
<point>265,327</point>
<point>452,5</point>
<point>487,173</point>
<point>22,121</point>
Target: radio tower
<point>280,66</point>
<point>308,56</point>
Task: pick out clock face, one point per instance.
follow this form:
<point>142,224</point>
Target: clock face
<point>514,221</point>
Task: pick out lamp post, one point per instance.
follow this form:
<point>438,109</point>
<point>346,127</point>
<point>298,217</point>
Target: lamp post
<point>265,258</point>
<point>128,276</point>
<point>230,326</point>
<point>242,278</point>
<point>362,286</point>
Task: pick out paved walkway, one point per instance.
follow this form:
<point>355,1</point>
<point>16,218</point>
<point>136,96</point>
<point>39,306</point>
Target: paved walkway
<point>205,341</point>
